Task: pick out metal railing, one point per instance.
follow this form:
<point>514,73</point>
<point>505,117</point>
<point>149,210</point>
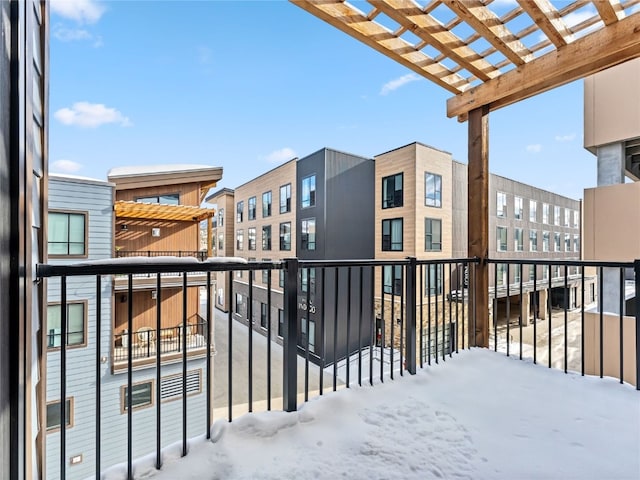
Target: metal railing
<point>200,254</point>
<point>339,323</point>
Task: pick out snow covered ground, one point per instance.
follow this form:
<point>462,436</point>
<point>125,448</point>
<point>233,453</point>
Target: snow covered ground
<point>479,415</point>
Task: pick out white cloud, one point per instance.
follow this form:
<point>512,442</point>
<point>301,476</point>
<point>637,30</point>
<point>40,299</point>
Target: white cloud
<point>67,166</point>
<point>70,34</point>
<point>565,138</point>
<point>91,115</point>
<point>82,11</point>
<point>504,3</point>
<point>574,18</point>
<point>534,148</point>
<point>281,155</point>
<point>398,82</point>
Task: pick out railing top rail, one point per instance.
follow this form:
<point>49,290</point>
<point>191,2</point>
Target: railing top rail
<point>561,262</point>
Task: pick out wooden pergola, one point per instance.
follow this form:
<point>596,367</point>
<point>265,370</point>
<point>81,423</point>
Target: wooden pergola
<point>489,60</point>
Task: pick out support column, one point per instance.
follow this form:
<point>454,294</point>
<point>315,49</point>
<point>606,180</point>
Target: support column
<point>478,221</point>
<point>543,299</point>
<point>525,309</point>
<point>210,239</point>
<point>611,166</point>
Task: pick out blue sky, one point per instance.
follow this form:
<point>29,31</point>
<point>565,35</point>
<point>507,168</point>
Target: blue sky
<point>248,85</point>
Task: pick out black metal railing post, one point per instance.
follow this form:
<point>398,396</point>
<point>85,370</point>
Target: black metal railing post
<point>410,325</point>
<point>290,335</point>
<point>636,268</point>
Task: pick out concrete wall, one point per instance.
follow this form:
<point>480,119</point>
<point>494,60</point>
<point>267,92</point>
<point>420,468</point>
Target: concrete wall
<point>612,105</point>
<point>612,223</point>
<point>611,346</point>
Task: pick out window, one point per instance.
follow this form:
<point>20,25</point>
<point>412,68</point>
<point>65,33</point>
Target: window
<point>556,237</point>
<point>280,322</point>
<point>308,280</point>
<point>432,190</point>
<point>432,235</point>
<point>545,213</point>
<point>266,204</point>
<point>53,414</point>
<point>501,204</point>
<point>167,199</point>
<point>285,198</point>
<point>238,303</point>
<point>392,234</point>
<point>266,237</point>
<point>532,271</point>
<point>308,191</point>
<point>533,240</point>
<point>516,273</point>
<point>576,243</point>
<point>567,242</point>
<point>76,322</point>
<point>285,236</point>
<point>251,209</point>
<point>501,274</point>
<point>392,191</point>
<point>281,278</point>
<point>393,279</point>
<point>67,234</point>
<point>556,215</point>
<point>518,240</point>
<point>142,395</point>
<point>567,217</point>
<point>239,211</point>
<point>533,211</point>
<point>501,236</point>
<point>433,283</point>
<point>556,271</point>
<point>545,241</point>
<point>265,272</point>
<point>221,217</point>
<point>517,208</point>
<point>576,219</point>
<point>251,237</point>
<point>171,385</point>
<point>308,340</point>
<point>545,272</point>
<point>220,242</point>
<point>263,315</point>
<point>308,234</point>
<point>240,240</point>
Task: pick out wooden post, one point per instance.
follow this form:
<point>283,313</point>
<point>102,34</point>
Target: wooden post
<point>209,239</point>
<point>478,221</point>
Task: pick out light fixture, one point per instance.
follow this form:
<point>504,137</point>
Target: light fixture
<point>124,227</point>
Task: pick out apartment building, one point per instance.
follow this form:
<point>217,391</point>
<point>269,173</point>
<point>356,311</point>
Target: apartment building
<point>222,239</point>
<point>314,208</point>
<point>421,211</point>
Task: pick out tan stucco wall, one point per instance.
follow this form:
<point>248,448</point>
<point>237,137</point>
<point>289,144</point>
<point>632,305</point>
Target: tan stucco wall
<point>612,105</point>
<point>611,346</point>
<point>612,223</point>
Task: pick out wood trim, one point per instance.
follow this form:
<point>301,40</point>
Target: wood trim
<point>86,233</point>
<point>71,400</point>
<point>45,332</point>
<point>609,10</point>
<point>139,407</point>
<point>590,54</point>
<point>547,17</point>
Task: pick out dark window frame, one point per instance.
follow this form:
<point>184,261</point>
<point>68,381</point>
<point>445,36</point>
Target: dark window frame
<point>284,246</point>
<point>388,244</point>
<point>266,205</point>
<point>311,201</point>
<point>251,208</point>
<point>396,199</point>
<point>429,244</point>
<point>305,242</point>
<point>285,207</point>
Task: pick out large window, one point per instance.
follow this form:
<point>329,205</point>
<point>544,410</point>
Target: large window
<point>546,238</point>
<point>221,217</point>
<point>308,231</point>
<point>240,240</point>
<point>54,415</point>
<point>251,208</point>
<point>308,198</point>
<point>392,234</point>
<point>556,215</point>
<point>166,199</point>
<point>76,321</point>
<point>239,211</point>
<point>141,395</point>
<point>238,304</point>
<point>567,242</point>
<point>281,278</point>
<point>220,242</point>
<point>266,237</point>
<point>533,211</point>
<point>518,240</point>
<point>285,236</point>
<point>308,280</point>
<point>67,233</point>
<point>251,238</point>
<point>393,279</point>
<point>501,204</point>
<point>392,191</point>
<point>280,322</point>
<point>576,219</point>
<point>285,198</point>
<point>265,272</point>
<point>266,204</point>
<point>432,190</point>
<point>501,274</point>
<point>545,213</point>
<point>517,208</point>
<point>556,237</point>
<point>433,280</point>
<point>263,315</point>
<point>501,237</point>
<point>567,217</point>
<point>308,334</point>
<point>432,235</point>
<point>576,243</point>
<point>533,240</point>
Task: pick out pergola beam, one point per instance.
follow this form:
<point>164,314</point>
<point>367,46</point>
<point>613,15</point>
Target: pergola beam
<point>547,17</point>
<point>489,26</point>
<point>590,54</point>
<point>609,10</point>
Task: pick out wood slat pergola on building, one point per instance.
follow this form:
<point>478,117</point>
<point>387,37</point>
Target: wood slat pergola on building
<point>489,61</point>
